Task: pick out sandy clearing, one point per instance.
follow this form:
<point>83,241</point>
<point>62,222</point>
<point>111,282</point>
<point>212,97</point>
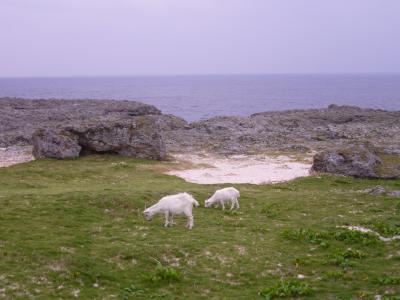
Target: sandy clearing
<point>15,155</point>
<point>255,169</point>
<point>209,169</point>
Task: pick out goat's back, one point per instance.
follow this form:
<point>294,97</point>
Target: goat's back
<point>229,192</point>
<point>178,201</point>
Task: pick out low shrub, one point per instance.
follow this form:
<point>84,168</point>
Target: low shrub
<point>286,288</point>
<point>343,258</point>
<point>388,280</point>
<point>164,274</point>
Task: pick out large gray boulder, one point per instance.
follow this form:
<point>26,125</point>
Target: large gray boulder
<point>55,144</point>
<point>138,137</point>
<point>358,161</point>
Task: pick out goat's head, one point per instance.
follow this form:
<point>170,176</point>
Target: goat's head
<point>207,203</point>
<point>147,214</point>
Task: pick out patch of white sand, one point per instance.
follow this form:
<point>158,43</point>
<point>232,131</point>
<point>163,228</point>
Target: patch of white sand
<point>255,169</point>
<point>15,155</point>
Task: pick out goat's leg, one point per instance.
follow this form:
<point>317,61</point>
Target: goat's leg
<point>222,205</point>
<point>166,219</point>
<point>232,204</point>
<point>171,219</point>
<point>189,224</point>
<point>237,203</point>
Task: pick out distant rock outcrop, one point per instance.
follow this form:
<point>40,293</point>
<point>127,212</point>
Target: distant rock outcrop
<point>358,161</point>
<point>20,118</point>
<point>108,126</point>
<point>291,130</point>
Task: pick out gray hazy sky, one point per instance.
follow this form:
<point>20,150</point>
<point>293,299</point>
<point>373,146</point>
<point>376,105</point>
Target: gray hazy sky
<point>145,37</point>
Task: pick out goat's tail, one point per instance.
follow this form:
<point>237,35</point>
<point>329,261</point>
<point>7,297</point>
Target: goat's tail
<point>194,202</point>
<point>238,193</point>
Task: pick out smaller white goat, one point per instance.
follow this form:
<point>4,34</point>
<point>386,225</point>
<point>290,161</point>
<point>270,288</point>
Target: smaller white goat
<point>179,204</point>
<point>229,194</point>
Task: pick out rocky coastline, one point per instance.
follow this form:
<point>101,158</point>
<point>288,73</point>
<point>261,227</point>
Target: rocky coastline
<point>68,128</point>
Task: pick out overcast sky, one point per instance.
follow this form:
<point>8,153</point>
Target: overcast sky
<point>150,37</point>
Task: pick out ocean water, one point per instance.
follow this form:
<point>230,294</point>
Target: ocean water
<point>199,97</point>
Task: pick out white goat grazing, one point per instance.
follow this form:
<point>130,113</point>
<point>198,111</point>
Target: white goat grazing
<point>179,204</point>
<point>221,196</point>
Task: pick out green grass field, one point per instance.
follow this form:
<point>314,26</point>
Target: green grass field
<point>74,228</point>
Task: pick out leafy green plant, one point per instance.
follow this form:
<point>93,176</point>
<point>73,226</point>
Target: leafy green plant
<point>340,261</point>
<point>388,280</point>
<point>386,229</point>
<point>164,274</point>
<point>132,291</point>
<point>351,253</point>
<point>343,258</point>
<point>286,288</point>
<point>315,237</point>
<point>354,237</point>
<point>323,237</point>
